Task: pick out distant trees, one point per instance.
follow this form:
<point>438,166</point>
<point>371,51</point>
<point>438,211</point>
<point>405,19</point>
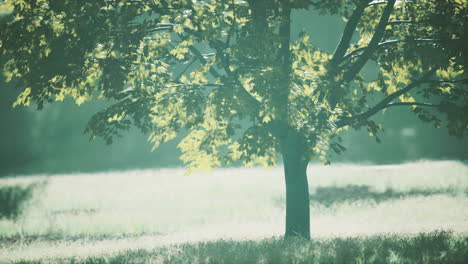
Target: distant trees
<point>12,134</point>
<point>228,72</point>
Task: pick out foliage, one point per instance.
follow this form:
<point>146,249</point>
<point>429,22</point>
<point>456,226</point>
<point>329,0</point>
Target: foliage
<point>228,73</point>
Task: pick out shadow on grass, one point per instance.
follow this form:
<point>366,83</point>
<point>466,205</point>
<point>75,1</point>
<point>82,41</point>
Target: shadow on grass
<point>351,193</point>
<point>58,237</point>
<point>13,198</point>
<point>435,247</point>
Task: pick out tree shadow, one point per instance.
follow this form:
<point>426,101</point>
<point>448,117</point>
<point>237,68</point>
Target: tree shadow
<point>351,193</point>
<point>14,198</point>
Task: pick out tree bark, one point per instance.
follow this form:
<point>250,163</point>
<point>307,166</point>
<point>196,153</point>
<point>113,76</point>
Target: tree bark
<point>297,187</point>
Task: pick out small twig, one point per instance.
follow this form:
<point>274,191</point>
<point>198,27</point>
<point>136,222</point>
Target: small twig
<point>184,70</point>
<point>410,104</point>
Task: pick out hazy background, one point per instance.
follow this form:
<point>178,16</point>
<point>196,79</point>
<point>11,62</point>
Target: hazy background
<point>52,140</point>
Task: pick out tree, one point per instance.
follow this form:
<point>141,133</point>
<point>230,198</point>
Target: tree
<point>228,75</point>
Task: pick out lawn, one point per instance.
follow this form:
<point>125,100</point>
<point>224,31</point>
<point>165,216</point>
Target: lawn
<point>415,212</point>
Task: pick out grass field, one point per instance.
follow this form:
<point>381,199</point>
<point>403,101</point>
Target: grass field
<point>410,213</point>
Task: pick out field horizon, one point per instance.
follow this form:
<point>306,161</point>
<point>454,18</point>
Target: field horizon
<point>76,218</point>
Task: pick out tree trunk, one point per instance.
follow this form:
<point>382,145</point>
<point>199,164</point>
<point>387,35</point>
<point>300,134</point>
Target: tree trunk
<point>297,187</point>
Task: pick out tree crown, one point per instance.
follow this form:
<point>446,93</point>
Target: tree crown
<point>227,75</point>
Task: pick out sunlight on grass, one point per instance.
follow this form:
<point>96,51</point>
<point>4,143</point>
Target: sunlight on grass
<point>107,213</point>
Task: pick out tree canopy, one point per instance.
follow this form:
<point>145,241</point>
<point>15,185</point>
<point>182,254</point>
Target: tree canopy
<point>227,75</point>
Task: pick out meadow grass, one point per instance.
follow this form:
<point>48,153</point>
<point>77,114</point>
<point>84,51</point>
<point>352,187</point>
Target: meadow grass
<point>434,247</point>
<point>376,214</point>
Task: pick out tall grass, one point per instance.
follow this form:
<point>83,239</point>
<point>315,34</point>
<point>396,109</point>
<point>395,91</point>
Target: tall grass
<point>101,215</point>
<point>434,247</point>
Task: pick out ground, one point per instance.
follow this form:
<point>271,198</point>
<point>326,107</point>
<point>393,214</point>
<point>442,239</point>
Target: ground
<point>415,212</point>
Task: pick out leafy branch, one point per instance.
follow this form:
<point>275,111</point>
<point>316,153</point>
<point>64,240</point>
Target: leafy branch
<point>410,104</point>
<point>244,93</point>
<point>348,33</point>
<point>373,44</point>
<point>384,103</point>
<point>185,69</point>
<point>399,22</point>
<point>355,53</point>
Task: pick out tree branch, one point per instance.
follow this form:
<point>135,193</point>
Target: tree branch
<point>234,21</point>
<point>387,43</point>
<point>381,2</point>
<point>177,83</point>
<point>184,70</point>
<point>399,22</point>
<point>283,86</point>
<point>202,59</point>
<point>386,101</point>
<point>251,99</point>
<point>377,2</point>
<point>447,81</point>
<point>348,33</point>
<point>162,28</point>
<point>226,64</point>
<point>410,104</point>
<point>373,44</point>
